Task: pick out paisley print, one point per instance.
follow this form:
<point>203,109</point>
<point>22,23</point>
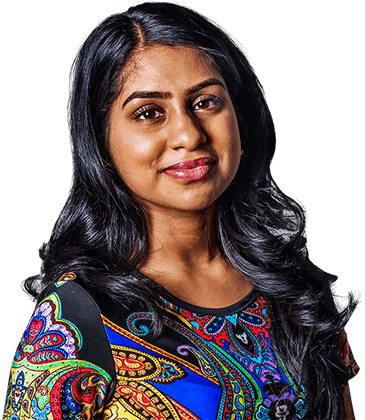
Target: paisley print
<point>204,366</point>
<point>237,351</point>
<point>47,381</point>
<point>75,388</point>
<point>134,392</point>
<point>49,338</point>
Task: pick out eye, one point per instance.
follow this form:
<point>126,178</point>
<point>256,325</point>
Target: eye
<point>209,103</point>
<point>148,113</point>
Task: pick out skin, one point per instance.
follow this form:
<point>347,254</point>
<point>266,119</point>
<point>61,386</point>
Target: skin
<point>175,107</point>
<point>181,121</point>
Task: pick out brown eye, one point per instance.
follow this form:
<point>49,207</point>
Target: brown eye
<point>202,104</point>
<point>213,103</point>
<point>147,113</point>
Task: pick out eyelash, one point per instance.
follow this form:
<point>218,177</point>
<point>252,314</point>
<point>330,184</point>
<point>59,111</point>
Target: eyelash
<point>142,111</point>
<point>218,104</point>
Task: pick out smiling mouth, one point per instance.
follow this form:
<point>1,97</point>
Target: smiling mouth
<point>190,170</point>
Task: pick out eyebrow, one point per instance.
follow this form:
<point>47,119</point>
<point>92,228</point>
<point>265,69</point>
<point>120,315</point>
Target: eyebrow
<point>209,82</point>
<point>167,95</point>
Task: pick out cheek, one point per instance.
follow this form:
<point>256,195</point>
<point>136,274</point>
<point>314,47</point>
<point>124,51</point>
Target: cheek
<point>132,153</point>
<point>142,148</point>
<point>232,144</point>
<point>236,137</point>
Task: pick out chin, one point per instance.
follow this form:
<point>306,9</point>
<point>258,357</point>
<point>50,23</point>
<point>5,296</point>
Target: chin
<point>190,206</point>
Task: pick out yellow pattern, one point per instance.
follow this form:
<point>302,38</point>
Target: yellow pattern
<point>134,397</point>
<point>37,385</point>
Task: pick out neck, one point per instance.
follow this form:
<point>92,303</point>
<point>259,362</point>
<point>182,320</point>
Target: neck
<point>181,237</point>
<point>185,258</point>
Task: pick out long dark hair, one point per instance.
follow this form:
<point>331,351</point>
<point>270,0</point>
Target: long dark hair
<point>101,233</point>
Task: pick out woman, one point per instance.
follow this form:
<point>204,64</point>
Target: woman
<point>176,283</point>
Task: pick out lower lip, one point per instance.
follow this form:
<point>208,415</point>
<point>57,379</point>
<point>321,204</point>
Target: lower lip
<point>191,174</point>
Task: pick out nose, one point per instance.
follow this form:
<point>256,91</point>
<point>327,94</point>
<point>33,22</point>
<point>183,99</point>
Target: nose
<point>186,132</point>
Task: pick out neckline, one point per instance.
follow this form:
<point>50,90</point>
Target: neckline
<point>224,311</point>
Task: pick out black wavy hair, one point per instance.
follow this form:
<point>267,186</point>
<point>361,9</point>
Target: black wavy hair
<point>101,233</point>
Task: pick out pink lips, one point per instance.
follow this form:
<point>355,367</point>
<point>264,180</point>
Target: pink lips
<point>190,170</point>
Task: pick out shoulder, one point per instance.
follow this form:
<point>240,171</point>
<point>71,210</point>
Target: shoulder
<point>348,359</point>
<point>64,351</point>
<point>69,306</point>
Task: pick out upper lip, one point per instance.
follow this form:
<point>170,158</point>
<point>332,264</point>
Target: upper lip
<point>189,164</point>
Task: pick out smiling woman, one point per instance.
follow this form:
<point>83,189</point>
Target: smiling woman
<point>173,133</point>
<point>176,283</point>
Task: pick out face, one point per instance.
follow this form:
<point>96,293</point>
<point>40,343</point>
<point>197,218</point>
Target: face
<point>173,132</point>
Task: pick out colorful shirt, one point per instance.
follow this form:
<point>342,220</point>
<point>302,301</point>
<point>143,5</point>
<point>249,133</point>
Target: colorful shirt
<point>83,356</point>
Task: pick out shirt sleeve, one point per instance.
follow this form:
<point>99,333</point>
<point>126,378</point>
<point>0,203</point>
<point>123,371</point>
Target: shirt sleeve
<point>347,356</point>
<point>54,375</point>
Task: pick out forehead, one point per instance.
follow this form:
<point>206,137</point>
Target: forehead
<point>167,68</point>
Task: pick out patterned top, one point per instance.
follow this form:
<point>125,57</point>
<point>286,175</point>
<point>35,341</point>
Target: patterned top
<point>84,357</point>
